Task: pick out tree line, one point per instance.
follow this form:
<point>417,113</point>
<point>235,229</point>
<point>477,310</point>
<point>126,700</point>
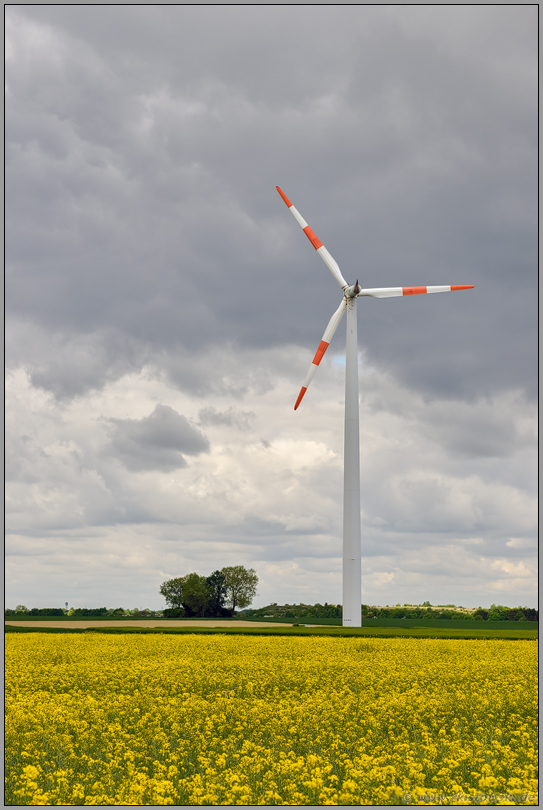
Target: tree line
<point>275,611</point>
<point>84,613</point>
<point>224,591</point>
<point>219,594</point>
<point>495,613</point>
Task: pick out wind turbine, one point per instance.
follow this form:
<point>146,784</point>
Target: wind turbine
<point>352,571</point>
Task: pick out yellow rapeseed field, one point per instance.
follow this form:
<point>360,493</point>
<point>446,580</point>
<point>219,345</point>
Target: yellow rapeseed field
<point>219,720</point>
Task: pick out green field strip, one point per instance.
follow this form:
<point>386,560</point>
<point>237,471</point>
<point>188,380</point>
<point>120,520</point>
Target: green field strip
<point>338,632</point>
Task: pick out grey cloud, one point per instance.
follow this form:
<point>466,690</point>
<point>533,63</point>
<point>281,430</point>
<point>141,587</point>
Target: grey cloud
<point>239,419</point>
<point>72,365</point>
<point>487,434</point>
<point>141,168</point>
<point>218,372</point>
<point>144,237</point>
<point>158,441</point>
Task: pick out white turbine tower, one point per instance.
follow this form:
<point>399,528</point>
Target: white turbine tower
<point>352,571</point>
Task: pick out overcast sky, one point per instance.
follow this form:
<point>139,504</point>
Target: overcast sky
<point>163,306</point>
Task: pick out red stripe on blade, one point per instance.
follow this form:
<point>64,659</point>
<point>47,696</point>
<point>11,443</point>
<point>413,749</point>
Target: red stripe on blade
<point>461,287</point>
<point>413,290</point>
<point>320,351</point>
<point>300,397</point>
<point>315,241</point>
<point>284,196</point>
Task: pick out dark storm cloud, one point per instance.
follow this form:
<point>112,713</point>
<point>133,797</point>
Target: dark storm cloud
<point>158,441</point>
<point>143,149</point>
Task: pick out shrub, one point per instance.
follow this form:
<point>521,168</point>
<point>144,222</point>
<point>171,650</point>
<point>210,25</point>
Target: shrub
<point>173,613</point>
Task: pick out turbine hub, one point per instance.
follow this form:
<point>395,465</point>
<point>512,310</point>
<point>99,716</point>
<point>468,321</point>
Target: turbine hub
<point>352,292</point>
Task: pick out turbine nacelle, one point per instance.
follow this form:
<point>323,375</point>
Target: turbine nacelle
<point>352,292</point>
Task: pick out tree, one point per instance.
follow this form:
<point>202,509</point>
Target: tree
<point>196,593</point>
<point>87,612</point>
<point>173,613</point>
<point>217,597</point>
<point>115,612</point>
<point>190,592</point>
<point>172,591</point>
<point>240,585</point>
<point>498,613</point>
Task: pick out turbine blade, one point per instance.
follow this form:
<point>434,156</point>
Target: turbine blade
<point>330,330</point>
<point>390,292</point>
<point>329,261</point>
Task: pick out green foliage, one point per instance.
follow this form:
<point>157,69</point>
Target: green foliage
<point>172,591</point>
<point>300,611</point>
<point>530,614</point>
<point>196,594</point>
<point>407,612</point>
<point>190,593</point>
<point>497,613</point>
<point>174,613</point>
<point>240,585</point>
<point>217,586</point>
<point>519,614</point>
<point>89,612</point>
<point>504,613</point>
<point>22,610</point>
<point>115,612</point>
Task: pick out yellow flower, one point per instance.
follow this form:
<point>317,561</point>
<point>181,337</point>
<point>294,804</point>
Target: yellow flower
<point>221,720</point>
